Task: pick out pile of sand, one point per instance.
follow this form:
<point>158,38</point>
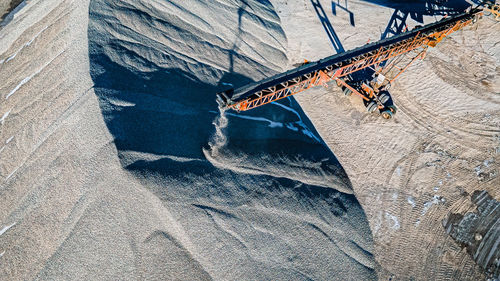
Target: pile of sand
<point>109,168</point>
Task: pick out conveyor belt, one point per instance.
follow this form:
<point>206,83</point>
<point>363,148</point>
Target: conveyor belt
<point>254,93</point>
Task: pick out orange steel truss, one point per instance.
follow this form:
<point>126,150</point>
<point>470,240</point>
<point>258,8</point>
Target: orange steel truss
<point>385,71</point>
<point>495,10</point>
<point>418,43</point>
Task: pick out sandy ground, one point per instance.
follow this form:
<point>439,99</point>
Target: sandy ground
<point>115,163</point>
<point>411,172</point>
<point>4,8</point>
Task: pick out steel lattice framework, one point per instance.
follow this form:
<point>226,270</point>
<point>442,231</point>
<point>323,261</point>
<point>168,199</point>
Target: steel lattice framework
<point>419,41</point>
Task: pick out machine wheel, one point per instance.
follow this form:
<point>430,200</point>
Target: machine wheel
<point>383,98</point>
<point>393,109</point>
<point>371,107</point>
<point>386,114</point>
<point>347,91</point>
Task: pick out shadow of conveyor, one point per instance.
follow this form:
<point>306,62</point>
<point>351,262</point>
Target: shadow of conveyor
<point>416,10</point>
<point>327,25</point>
<point>162,121</point>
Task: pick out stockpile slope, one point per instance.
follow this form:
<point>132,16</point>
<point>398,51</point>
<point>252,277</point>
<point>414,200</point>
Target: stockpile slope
<point>257,194</point>
<point>58,165</point>
<point>112,167</point>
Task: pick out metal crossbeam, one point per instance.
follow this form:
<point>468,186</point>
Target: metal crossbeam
<point>419,43</point>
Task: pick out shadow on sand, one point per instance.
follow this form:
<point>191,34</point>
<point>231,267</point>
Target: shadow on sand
<point>327,25</point>
<point>416,10</point>
<point>163,120</point>
<point>403,10</point>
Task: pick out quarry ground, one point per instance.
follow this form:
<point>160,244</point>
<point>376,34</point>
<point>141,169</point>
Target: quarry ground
<point>116,164</point>
<point>409,173</point>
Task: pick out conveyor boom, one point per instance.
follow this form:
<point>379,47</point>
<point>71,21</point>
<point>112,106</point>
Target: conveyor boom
<point>337,66</point>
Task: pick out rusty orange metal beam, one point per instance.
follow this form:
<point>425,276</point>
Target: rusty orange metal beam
<point>372,58</point>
